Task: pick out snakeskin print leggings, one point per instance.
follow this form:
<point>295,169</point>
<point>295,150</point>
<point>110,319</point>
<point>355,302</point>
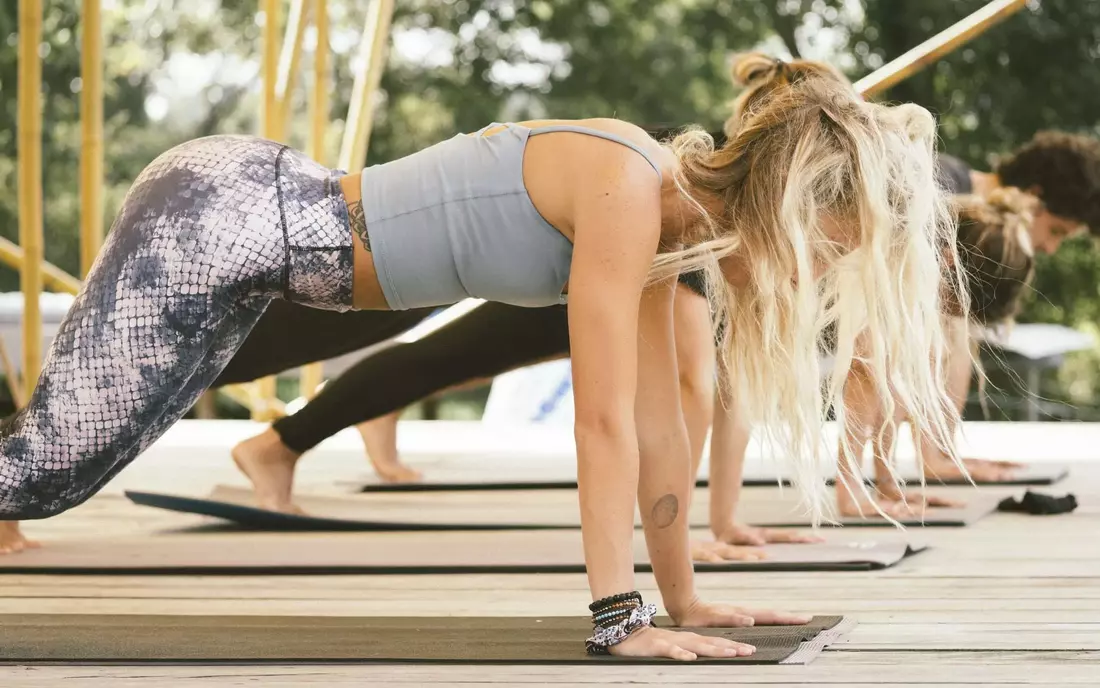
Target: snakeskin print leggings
<point>208,235</point>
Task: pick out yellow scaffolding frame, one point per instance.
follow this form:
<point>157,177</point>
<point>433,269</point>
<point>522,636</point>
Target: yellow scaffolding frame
<point>30,187</point>
<point>373,45</point>
<point>312,375</point>
<point>946,41</point>
<point>290,58</point>
<point>91,135</point>
<point>263,391</point>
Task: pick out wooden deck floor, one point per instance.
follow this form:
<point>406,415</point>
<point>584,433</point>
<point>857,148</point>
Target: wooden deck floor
<point>1012,600</point>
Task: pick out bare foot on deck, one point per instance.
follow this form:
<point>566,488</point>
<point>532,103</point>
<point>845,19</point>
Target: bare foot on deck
<point>269,465</point>
<point>12,539</point>
<point>380,439</point>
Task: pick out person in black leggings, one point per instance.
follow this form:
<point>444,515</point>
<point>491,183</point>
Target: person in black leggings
<point>492,339</point>
<point>289,335</point>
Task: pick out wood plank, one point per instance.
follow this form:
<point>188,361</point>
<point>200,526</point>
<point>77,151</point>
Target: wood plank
<point>1011,600</point>
<point>843,668</point>
<point>797,585</point>
<point>918,619</point>
<point>485,600</point>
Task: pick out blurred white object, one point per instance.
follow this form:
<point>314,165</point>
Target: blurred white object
<point>1037,341</point>
<point>540,393</point>
<point>53,307</point>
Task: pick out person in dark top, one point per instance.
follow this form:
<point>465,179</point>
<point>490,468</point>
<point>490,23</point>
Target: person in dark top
<point>1061,169</point>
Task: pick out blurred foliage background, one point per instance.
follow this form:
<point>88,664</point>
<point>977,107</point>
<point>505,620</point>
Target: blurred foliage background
<point>178,70</point>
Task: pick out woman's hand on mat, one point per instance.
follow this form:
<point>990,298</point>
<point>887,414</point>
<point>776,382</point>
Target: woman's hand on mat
<point>918,501</point>
<point>980,470</point>
<point>682,645</point>
<point>740,534</point>
<point>12,539</point>
<point>897,505</point>
<point>717,552</point>
<point>699,614</point>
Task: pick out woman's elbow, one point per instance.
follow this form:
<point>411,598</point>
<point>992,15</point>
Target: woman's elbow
<point>609,424</point>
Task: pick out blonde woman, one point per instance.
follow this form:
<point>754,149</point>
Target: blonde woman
<point>822,209</point>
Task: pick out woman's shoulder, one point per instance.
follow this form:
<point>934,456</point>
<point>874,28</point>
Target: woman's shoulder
<point>656,154</point>
<point>627,130</point>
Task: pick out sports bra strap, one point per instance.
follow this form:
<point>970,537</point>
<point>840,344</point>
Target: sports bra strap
<point>549,129</point>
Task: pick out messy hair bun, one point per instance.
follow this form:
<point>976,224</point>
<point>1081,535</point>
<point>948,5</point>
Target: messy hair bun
<point>762,76</point>
<point>996,253</point>
<point>754,69</point>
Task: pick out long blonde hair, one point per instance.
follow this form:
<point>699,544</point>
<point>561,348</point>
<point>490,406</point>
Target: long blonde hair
<point>802,147</point>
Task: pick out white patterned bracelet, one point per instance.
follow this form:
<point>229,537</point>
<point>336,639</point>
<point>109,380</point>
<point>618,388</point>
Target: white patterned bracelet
<point>604,638</point>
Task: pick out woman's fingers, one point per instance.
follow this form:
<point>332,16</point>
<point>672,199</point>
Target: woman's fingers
<point>674,651</point>
<point>935,500</point>
<point>794,536</point>
<point>724,616</point>
<point>718,552</point>
<point>914,502</point>
<point>712,646</point>
<point>747,535</point>
<point>735,553</point>
<point>993,463</point>
<point>768,617</point>
<point>679,645</point>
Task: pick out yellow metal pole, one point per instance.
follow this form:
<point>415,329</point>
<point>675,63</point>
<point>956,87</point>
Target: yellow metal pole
<point>53,277</point>
<point>30,185</point>
<point>91,135</point>
<point>375,40</point>
<point>319,97</point>
<point>290,58</point>
<point>264,390</point>
<point>246,397</point>
<point>270,66</point>
<point>312,375</point>
<point>934,48</point>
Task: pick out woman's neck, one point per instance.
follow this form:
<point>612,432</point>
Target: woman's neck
<point>681,218</point>
<point>984,183</point>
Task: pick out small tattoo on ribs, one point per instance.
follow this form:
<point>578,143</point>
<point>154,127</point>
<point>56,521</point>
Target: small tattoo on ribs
<point>665,511</point>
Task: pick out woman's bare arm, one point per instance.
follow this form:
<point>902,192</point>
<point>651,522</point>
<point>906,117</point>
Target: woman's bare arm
<point>666,478</point>
<point>617,232</point>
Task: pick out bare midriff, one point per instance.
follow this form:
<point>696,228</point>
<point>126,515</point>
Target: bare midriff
<point>366,290</point>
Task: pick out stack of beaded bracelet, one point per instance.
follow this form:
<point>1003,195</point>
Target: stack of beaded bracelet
<point>616,617</point>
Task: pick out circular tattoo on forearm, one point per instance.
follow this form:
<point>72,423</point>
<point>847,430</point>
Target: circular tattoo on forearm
<point>665,511</point>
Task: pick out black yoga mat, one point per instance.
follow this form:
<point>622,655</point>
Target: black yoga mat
<point>468,510</point>
<point>250,553</point>
<point>293,639</point>
<point>1031,475</point>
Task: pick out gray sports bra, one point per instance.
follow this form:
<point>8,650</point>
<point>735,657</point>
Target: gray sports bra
<point>455,221</point>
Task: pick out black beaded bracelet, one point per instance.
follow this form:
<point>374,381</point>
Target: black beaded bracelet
<point>634,596</point>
